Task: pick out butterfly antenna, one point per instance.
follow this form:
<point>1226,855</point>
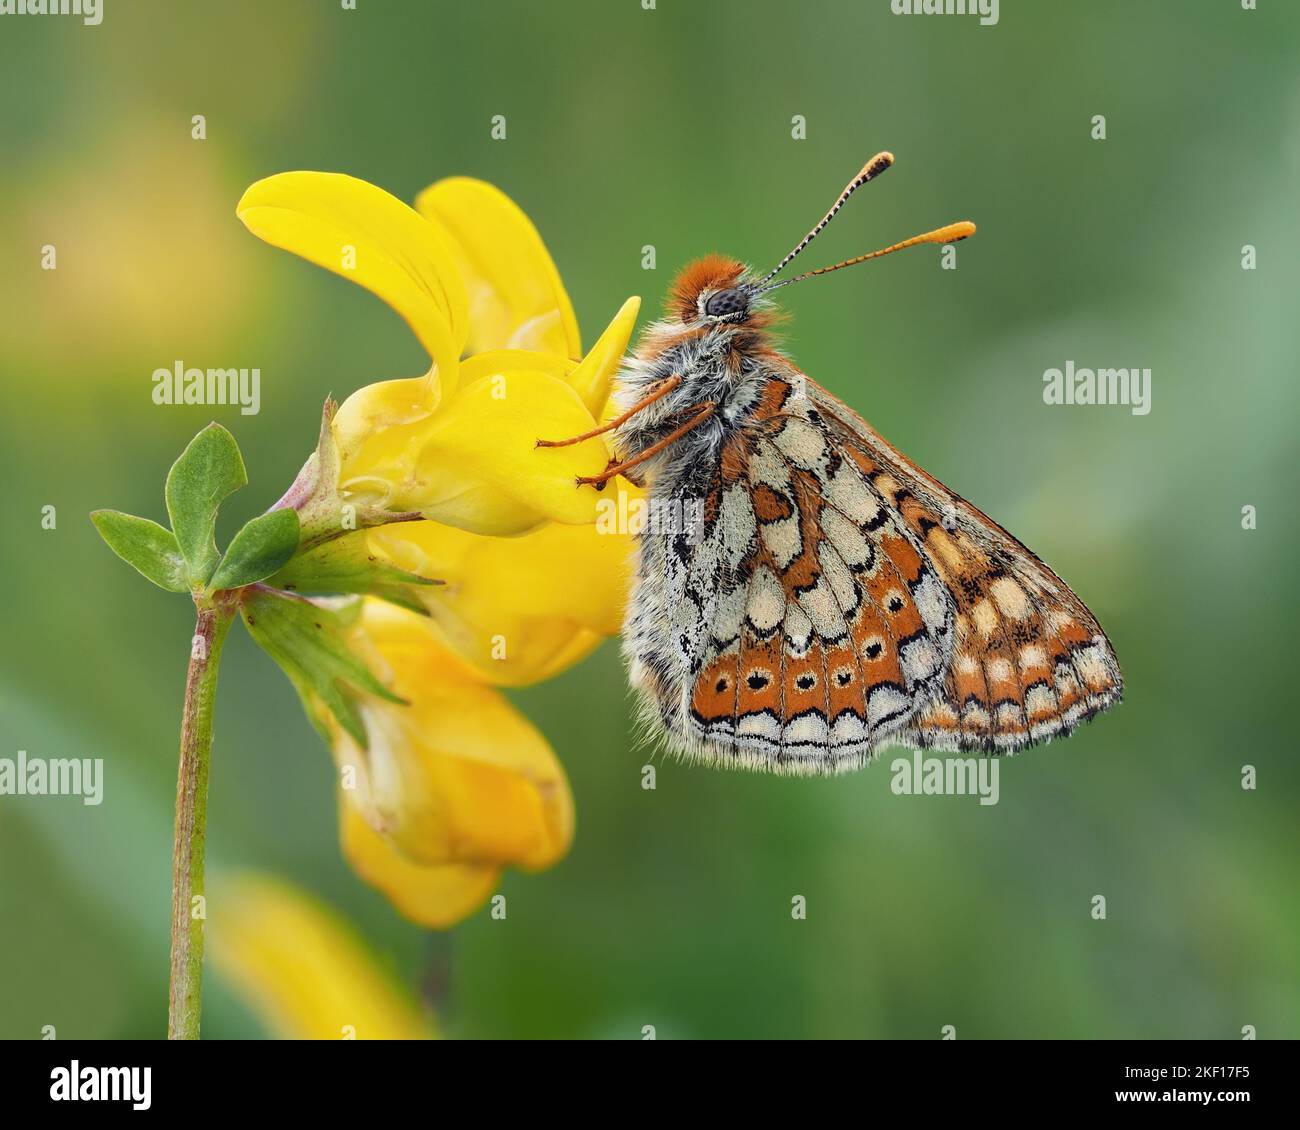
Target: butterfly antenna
<point>951,233</point>
<point>872,169</point>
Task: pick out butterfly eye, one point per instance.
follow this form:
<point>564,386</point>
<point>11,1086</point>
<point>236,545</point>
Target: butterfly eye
<point>724,302</point>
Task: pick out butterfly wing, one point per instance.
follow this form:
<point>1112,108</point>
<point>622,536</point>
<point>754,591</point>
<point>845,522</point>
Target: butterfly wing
<point>834,599</point>
<point>801,626</point>
<point>1029,661</point>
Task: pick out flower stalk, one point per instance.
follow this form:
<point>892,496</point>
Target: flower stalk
<point>185,994</point>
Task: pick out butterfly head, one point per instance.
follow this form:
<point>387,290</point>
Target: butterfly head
<point>713,291</point>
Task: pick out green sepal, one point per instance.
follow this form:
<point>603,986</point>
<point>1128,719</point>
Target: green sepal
<point>209,470</point>
<point>308,639</point>
<point>147,547</point>
<point>322,511</point>
<point>344,566</point>
<point>264,545</point>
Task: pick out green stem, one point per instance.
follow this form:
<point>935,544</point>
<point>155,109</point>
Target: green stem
<point>185,998</point>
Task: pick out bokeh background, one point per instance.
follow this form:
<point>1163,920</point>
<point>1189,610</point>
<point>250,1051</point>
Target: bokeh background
<point>672,127</point>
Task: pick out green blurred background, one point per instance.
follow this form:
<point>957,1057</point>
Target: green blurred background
<point>671,127</point>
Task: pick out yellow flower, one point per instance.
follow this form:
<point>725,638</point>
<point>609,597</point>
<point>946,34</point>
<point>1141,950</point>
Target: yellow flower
<point>453,787</point>
<point>456,785</point>
<point>517,610</point>
<point>301,969</point>
<point>470,274</point>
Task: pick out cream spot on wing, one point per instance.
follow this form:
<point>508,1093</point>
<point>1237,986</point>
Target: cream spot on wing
<point>966,664</point>
<point>1010,597</point>
<point>919,660</point>
<point>1092,667</point>
<point>887,485</point>
<point>808,729</point>
<point>1008,717</point>
<point>847,730</point>
<point>846,538</point>
<point>848,491</point>
<point>766,605</point>
<point>946,549</point>
<point>999,671</point>
<point>841,580</point>
<point>761,728</point>
<point>929,598</point>
<point>736,517</point>
<point>886,702</point>
<point>1032,655</point>
<point>819,603</point>
<point>1059,620</point>
<point>1066,683</point>
<point>802,443</point>
<point>985,618</point>
<point>783,540</point>
<point>766,466</point>
<point>726,621</point>
<point>1039,703</point>
<point>798,629</point>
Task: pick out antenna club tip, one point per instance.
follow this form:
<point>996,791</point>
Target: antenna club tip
<point>877,165</point>
<point>950,233</point>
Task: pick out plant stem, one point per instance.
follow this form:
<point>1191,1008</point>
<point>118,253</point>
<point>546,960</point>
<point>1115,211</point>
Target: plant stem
<point>185,997</point>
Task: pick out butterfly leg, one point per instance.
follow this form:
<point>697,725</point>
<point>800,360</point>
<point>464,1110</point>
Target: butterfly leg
<point>659,393</point>
<point>615,468</point>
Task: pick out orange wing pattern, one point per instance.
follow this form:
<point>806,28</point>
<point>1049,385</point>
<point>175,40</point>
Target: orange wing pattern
<point>1029,661</point>
<point>838,600</point>
<point>809,619</point>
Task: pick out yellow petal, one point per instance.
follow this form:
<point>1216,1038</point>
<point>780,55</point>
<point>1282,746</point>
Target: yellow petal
<point>301,969</point>
<point>496,361</point>
<point>593,378</point>
<point>383,407</point>
<point>516,298</point>
<point>365,234</point>
<point>458,775</point>
<point>519,610</point>
<point>472,460</point>
<point>438,896</point>
<point>480,467</point>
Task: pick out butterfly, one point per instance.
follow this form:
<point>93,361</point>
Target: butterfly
<point>831,598</point>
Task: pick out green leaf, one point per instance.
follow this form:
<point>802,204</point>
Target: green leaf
<point>344,566</point>
<point>258,550</point>
<point>209,470</point>
<point>308,640</point>
<point>147,547</point>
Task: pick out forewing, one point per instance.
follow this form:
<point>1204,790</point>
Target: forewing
<point>1029,661</point>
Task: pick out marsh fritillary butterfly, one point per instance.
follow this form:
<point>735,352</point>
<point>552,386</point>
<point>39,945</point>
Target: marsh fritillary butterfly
<point>833,598</point>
